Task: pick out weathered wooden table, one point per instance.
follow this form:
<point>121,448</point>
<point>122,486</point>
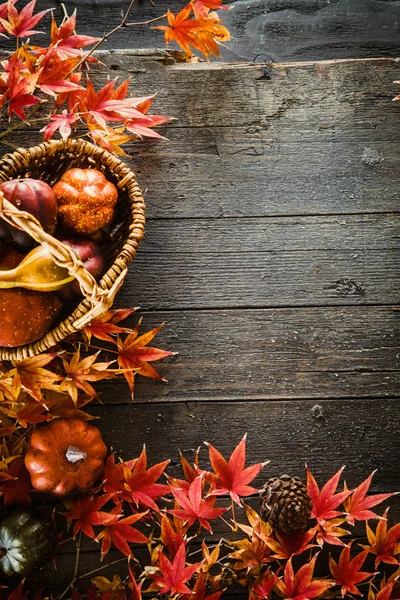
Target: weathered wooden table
<point>271,248</point>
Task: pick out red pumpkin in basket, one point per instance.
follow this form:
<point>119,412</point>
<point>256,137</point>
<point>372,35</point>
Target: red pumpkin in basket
<point>65,457</point>
<point>86,200</point>
<point>35,197</point>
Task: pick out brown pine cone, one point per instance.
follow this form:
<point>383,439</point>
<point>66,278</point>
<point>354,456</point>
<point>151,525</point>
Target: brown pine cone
<point>285,504</point>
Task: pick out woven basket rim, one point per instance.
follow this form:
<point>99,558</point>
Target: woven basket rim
<point>21,159</point>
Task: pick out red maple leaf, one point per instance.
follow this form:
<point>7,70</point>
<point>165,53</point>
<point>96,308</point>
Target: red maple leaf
<point>142,126</point>
<point>3,15</point>
<point>66,43</point>
<point>347,572</point>
<point>232,477</point>
<point>200,590</point>
<point>202,7</point>
<point>174,575</point>
<point>291,544</point>
<point>135,354</point>
<point>193,506</point>
<point>120,531</point>
<point>17,488</point>
<point>21,24</point>
<point>53,76</point>
<point>141,482</point>
<point>251,554</point>
<point>264,588</point>
<point>19,91</point>
<point>86,513</point>
<point>301,586</point>
<point>326,501</point>
<point>63,122</point>
<point>26,411</point>
<point>383,543</point>
<point>114,478</point>
<point>17,593</point>
<point>357,505</point>
<point>103,327</point>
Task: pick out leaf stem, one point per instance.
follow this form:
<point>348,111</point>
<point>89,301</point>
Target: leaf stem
<point>146,22</point>
<point>100,569</point>
<point>105,37</point>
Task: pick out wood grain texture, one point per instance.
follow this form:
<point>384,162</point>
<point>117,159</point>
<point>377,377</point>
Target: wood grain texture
<point>288,434</point>
<point>316,138</point>
<point>263,30</point>
<point>272,354</point>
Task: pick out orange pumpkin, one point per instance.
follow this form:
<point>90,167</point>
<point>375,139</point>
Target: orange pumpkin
<point>85,200</point>
<point>65,457</point>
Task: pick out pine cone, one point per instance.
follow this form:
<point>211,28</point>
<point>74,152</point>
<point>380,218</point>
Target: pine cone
<point>285,503</point>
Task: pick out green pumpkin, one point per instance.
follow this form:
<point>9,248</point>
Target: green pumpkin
<point>26,541</point>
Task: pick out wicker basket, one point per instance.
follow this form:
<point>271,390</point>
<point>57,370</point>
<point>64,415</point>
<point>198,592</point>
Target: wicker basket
<point>48,162</point>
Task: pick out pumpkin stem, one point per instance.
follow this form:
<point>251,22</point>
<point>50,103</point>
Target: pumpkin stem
<point>73,454</point>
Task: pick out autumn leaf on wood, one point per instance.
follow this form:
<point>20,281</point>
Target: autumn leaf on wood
<point>383,543</point>
<point>209,557</point>
<point>174,576</point>
<point>86,513</point>
<point>201,8</point>
<point>347,572</point>
<point>325,501</point>
<point>300,585</point>
<point>27,411</point>
<point>358,504</point>
<point>172,535</point>
<point>120,531</point>
<point>79,372</point>
<point>19,91</point>
<point>17,593</point>
<point>66,43</point>
<point>110,138</point>
<point>20,24</point>
<point>193,507</point>
<point>63,122</point>
<point>200,590</point>
<point>134,354</point>
<point>62,405</point>
<point>110,589</point>
<point>264,589</point>
<point>53,76</point>
<point>17,489</point>
<point>232,477</point>
<point>105,326</point>
<point>143,126</point>
<point>251,555</point>
<point>291,544</point>
<point>30,374</point>
<point>331,533</point>
<point>3,15</point>
<point>141,482</point>
<point>385,593</point>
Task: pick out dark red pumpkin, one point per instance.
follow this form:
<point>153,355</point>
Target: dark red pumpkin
<point>65,457</point>
<point>35,197</point>
<point>89,253</point>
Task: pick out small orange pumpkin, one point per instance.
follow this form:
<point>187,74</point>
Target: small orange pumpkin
<point>65,457</point>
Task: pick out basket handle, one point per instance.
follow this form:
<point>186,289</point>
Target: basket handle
<point>64,256</point>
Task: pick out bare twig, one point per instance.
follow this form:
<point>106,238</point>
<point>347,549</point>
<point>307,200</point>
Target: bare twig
<point>74,577</point>
<point>146,22</point>
<point>100,568</point>
<point>105,36</point>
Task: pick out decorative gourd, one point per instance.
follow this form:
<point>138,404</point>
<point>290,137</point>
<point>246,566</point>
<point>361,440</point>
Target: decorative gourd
<point>85,199</point>
<point>35,197</point>
<point>26,541</point>
<point>65,457</point>
<point>25,315</point>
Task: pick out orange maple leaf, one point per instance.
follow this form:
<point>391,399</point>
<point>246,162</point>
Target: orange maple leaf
<point>135,355</point>
<point>174,576</point>
<point>300,585</point>
<point>347,571</point>
<point>78,374</point>
<point>358,504</point>
<point>103,327</point>
<point>30,375</point>
<point>186,32</point>
<point>120,531</point>
<point>141,482</point>
<point>201,8</point>
<point>383,543</point>
<point>20,24</point>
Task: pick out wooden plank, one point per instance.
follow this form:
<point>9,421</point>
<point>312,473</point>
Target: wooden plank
<point>288,434</point>
<point>280,353</point>
<point>263,30</point>
<point>316,138</point>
